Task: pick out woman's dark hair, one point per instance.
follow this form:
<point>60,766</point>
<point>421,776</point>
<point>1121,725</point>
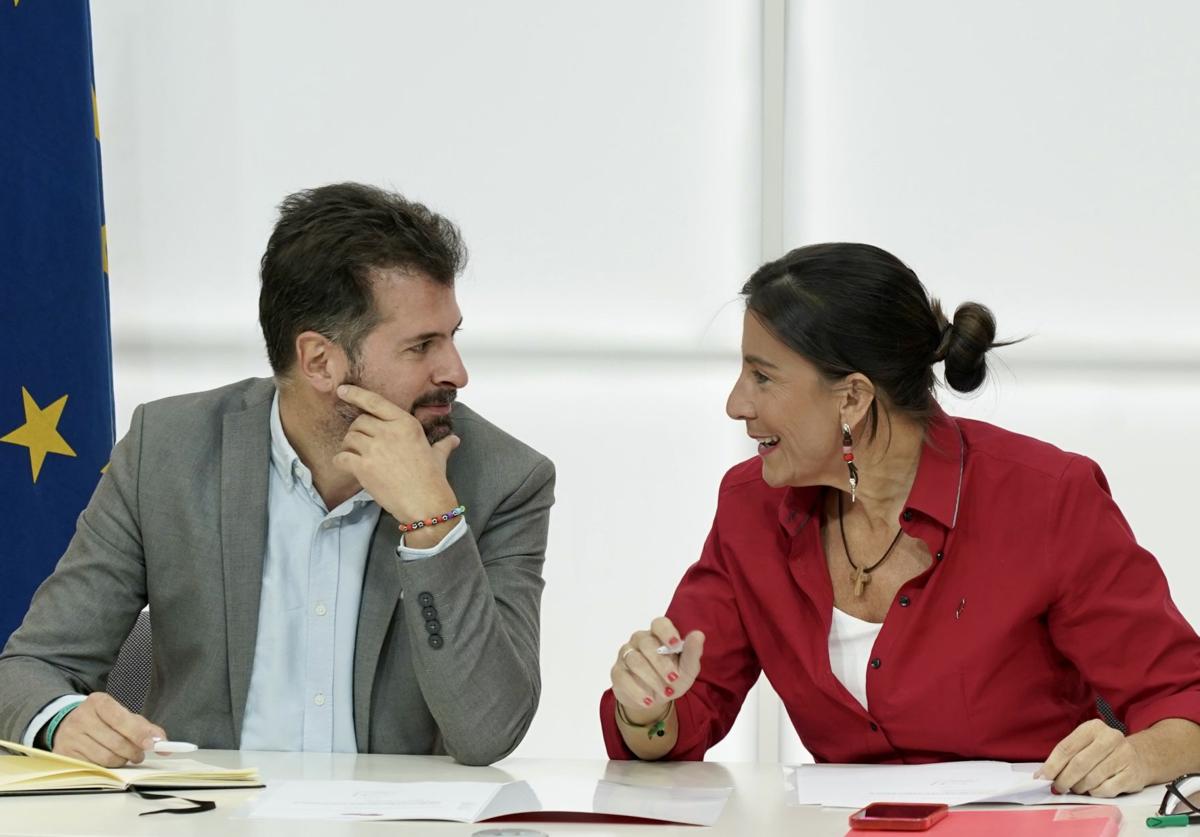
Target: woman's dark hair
<point>316,271</point>
<point>857,308</point>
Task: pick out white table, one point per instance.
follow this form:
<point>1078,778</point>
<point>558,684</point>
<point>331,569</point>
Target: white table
<point>757,806</point>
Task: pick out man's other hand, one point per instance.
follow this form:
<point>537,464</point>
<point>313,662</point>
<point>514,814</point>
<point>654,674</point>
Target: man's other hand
<point>104,732</point>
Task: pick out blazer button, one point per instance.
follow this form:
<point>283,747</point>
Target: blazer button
<point>429,613</point>
<point>908,514</point>
<point>433,626</point>
<point>876,663</point>
<point>436,641</point>
<point>874,727</point>
<point>940,555</point>
<point>426,600</point>
<point>904,600</point>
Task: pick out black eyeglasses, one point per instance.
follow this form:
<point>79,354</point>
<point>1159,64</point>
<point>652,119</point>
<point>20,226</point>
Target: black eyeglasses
<point>1176,808</point>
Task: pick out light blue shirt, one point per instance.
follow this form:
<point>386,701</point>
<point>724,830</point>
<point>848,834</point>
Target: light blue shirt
<point>301,685</point>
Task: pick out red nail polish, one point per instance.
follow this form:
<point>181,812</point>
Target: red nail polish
<point>648,701</point>
<point>673,641</point>
<point>668,691</point>
<point>672,676</point>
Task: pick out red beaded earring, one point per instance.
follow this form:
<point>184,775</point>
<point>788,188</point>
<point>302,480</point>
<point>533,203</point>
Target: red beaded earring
<point>848,457</point>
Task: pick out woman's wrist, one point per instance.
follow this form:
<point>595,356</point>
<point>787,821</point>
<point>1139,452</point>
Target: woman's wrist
<point>641,716</point>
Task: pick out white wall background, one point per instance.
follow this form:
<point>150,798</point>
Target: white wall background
<point>619,168</point>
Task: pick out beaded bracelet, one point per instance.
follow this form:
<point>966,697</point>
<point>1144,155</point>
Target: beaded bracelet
<point>653,728</point>
<point>433,521</point>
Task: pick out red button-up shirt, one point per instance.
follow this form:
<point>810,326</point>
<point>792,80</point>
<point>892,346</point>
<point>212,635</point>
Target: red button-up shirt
<point>1039,599</point>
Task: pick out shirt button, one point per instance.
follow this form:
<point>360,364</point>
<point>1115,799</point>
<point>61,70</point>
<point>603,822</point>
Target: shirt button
<point>874,727</point>
<point>429,613</point>
<point>436,641</point>
<point>319,700</point>
<point>876,663</point>
<point>320,610</point>
<point>426,599</point>
<point>433,626</point>
<point>908,514</point>
<point>904,601</point>
<point>328,524</point>
<point>939,555</point>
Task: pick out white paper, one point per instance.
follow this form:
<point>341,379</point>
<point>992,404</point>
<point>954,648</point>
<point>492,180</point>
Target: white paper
<point>952,783</point>
<point>312,800</point>
<point>693,806</point>
<point>476,801</point>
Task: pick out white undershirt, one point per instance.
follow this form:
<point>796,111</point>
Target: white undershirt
<point>850,643</point>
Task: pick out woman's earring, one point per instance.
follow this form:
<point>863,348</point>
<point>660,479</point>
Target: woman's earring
<point>848,456</point>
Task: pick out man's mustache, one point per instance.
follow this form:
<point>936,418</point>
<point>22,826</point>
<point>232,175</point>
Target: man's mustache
<point>437,398</point>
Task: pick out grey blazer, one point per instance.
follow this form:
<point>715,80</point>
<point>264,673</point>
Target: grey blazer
<point>179,521</point>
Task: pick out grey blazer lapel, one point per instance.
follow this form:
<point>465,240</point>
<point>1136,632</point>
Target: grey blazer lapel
<point>380,597</point>
<point>245,464</point>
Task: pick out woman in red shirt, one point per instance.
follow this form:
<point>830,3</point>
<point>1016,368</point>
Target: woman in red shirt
<point>916,587</point>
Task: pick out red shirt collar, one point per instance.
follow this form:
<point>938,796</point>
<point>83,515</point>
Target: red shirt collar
<point>935,491</point>
<point>938,486</point>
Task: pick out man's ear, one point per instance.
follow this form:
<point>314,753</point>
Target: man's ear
<point>320,362</point>
<point>857,394</point>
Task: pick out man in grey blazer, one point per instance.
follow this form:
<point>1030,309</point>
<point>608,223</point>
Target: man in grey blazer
<point>262,522</point>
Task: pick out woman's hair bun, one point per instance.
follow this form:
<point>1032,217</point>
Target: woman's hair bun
<point>964,343</point>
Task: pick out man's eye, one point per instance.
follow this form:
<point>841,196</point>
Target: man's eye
<point>422,347</point>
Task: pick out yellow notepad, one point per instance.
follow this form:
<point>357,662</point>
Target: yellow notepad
<point>37,771</point>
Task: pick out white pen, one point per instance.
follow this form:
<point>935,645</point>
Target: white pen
<point>167,747</point>
<point>677,648</point>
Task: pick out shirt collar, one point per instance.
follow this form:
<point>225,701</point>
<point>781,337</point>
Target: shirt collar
<point>283,456</point>
<point>291,468</point>
<point>938,487</point>
<point>935,492</point>
<point>798,507</point>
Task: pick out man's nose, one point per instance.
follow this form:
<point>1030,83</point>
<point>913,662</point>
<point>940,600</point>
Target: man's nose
<point>451,372</point>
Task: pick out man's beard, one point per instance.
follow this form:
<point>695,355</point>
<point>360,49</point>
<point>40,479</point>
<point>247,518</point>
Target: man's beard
<point>436,428</point>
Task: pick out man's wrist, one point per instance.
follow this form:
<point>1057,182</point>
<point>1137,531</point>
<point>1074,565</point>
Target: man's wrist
<point>428,537</point>
<point>46,734</point>
<point>32,737</point>
<point>429,504</point>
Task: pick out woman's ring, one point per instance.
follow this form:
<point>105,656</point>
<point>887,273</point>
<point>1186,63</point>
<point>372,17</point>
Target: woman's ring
<point>625,654</point>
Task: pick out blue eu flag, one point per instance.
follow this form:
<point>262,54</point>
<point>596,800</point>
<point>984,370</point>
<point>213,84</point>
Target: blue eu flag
<point>56,404</point>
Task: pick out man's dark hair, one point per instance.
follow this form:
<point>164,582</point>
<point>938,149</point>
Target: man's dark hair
<point>316,271</point>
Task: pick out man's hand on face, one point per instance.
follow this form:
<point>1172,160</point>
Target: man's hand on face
<point>387,452</point>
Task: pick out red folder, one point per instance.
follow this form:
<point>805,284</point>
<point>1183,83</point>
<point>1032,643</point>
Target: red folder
<point>1073,821</point>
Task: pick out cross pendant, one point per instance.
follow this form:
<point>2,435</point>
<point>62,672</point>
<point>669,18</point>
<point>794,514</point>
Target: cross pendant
<point>861,579</point>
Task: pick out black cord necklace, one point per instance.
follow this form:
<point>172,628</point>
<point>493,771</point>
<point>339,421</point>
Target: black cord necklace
<point>862,575</point>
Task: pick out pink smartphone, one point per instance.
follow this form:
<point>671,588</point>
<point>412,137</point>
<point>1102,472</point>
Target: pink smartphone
<point>898,816</point>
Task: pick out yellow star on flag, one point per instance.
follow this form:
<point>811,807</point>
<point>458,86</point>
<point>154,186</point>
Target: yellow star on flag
<point>40,433</point>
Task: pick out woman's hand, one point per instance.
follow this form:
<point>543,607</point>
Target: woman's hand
<point>643,680</point>
<point>1095,759</point>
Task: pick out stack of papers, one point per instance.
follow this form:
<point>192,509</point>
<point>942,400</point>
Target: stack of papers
<point>951,783</point>
<point>477,801</point>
